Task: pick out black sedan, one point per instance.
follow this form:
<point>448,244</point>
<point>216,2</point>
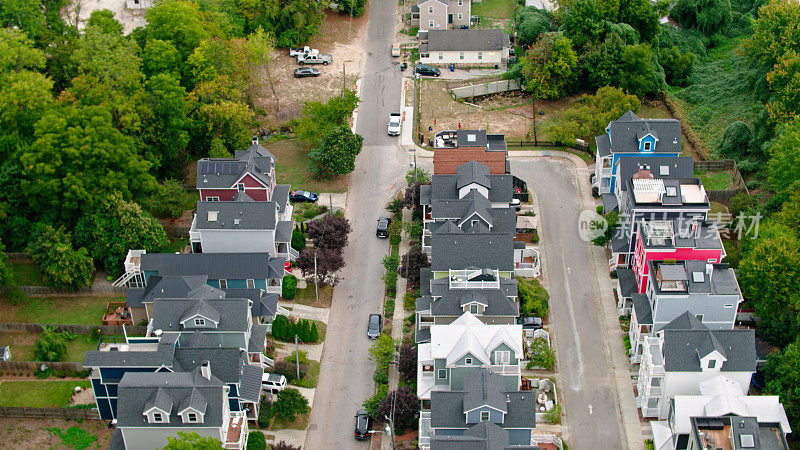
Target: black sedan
<point>383,227</point>
<point>303,196</point>
<point>303,72</point>
<point>530,323</point>
<point>362,425</point>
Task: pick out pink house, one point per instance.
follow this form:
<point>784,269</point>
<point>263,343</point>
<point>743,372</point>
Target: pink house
<point>250,172</point>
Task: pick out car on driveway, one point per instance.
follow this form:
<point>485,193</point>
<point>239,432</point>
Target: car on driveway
<point>273,382</point>
<point>363,421</point>
<point>374,326</point>
<point>302,72</point>
<point>383,227</point>
<point>530,323</point>
<point>425,69</point>
<point>303,196</point>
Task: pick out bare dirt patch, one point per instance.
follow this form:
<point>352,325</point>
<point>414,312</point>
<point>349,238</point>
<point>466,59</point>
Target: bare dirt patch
<point>343,38</point>
<point>32,434</point>
<point>78,11</point>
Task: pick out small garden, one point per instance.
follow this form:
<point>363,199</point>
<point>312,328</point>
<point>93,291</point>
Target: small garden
<point>38,393</point>
<point>533,298</point>
<point>290,410</point>
<point>19,308</point>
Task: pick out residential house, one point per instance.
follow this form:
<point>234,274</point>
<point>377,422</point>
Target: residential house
<point>656,167</point>
<point>233,366</point>
<point>452,148</point>
<point>250,172</point>
<point>488,297</point>
<point>709,292</point>
<point>224,270</point>
<point>443,14</point>
<point>155,406</point>
<point>685,353</point>
<point>464,346</point>
<point>666,240</point>
<point>484,414</point>
<point>630,136</point>
<point>245,226</point>
<point>650,198</point>
<point>486,47</point>
<point>140,4</point>
<point>722,416</point>
<point>5,353</point>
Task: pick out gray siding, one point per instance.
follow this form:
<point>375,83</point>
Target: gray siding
<point>504,347</point>
<point>150,438</point>
<point>439,16</point>
<point>519,437</point>
<point>437,365</point>
<point>715,315</point>
<point>464,10</point>
<point>495,416</point>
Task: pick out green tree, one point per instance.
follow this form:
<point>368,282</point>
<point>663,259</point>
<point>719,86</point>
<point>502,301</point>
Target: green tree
<point>168,201</point>
<point>382,350</point>
<point>218,110</point>
<point>541,354</point>
<point>354,8</point>
<point>784,83</point>
<point>289,404</point>
<point>641,15</point>
<point>166,131</point>
<point>258,52</point>
<point>292,22</point>
<point>611,222</point>
<point>785,157</point>
<point>533,297</point>
<point>49,346</point>
<point>736,141</point>
<point>531,23</point>
<point>180,22</point>
<point>337,153</point>
<point>549,67</point>
<point>289,287</point>
<point>708,16</point>
<point>637,74</point>
<point>104,19</point>
<point>40,19</point>
<point>371,404</point>
<point>676,65</point>
<point>113,227</point>
<point>112,59</point>
<point>583,21</point>
<point>25,96</point>
<point>161,57</point>
<point>783,379</point>
<point>256,440</point>
<point>61,265</point>
<point>6,275</point>
<point>298,240</point>
<point>775,34</point>
<point>319,118</point>
<point>17,52</point>
<point>592,114</point>
<point>191,441</point>
<point>78,157</point>
<point>314,336</point>
<point>601,63</point>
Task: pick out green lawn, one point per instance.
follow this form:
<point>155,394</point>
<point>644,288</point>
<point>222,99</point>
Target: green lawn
<point>26,274</point>
<point>301,423</point>
<point>39,394</point>
<point>312,375</point>
<point>176,245</point>
<point>715,181</point>
<point>717,209</point>
<point>72,310</point>
<point>308,297</point>
<point>291,160</point>
<point>495,9</point>
<point>22,346</point>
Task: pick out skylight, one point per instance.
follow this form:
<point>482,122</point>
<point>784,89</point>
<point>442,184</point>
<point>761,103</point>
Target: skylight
<point>672,191</point>
<point>471,138</point>
<point>663,170</point>
<point>698,277</point>
<point>212,216</point>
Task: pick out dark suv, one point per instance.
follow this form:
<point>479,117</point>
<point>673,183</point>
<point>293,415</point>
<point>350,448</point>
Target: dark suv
<point>362,425</point>
<point>530,323</point>
<point>383,227</point>
<point>425,69</point>
<point>374,326</point>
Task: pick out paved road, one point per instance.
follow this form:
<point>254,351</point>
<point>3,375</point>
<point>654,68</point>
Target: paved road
<point>582,345</point>
<point>346,371</point>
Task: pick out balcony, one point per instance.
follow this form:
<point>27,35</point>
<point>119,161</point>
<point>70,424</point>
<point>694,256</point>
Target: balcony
<point>424,438</point>
<point>505,369</point>
<point>462,279</point>
<point>529,266</point>
<point>236,431</point>
<point>273,289</point>
<point>117,314</point>
<point>194,235</point>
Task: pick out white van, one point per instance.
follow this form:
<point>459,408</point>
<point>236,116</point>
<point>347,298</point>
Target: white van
<point>273,382</point>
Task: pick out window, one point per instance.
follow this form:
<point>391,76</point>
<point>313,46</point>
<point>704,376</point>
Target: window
<point>223,284</point>
<point>441,55</point>
<point>199,322</point>
<point>212,199</point>
<point>251,283</point>
<point>240,187</point>
<point>728,306</point>
<point>430,22</point>
<point>700,317</point>
<point>502,357</point>
<point>460,16</point>
<point>430,11</point>
<point>158,417</point>
<point>655,382</point>
<point>191,417</point>
<point>712,363</point>
<point>442,375</point>
<point>712,260</point>
<point>473,309</point>
<point>652,402</point>
<point>480,54</point>
<point>427,368</point>
<point>647,146</point>
<point>484,416</point>
<point>461,55</point>
<point>460,3</point>
<point>468,361</point>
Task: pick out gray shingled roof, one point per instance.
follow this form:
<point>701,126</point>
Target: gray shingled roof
<point>283,232</point>
<point>226,362</point>
<point>163,356</point>
<point>682,347</point>
<point>258,337</point>
<point>627,282</point>
<point>440,286</point>
<point>685,321</point>
<point>454,251</point>
<point>445,187</point>
<point>610,202</point>
<point>116,442</point>
<point>624,131</point>
<point>483,388</point>
<point>215,265</point>
<point>676,167</point>
<point>452,302</point>
<point>137,388</point>
<point>250,387</point>
<point>642,309</point>
<point>603,145</point>
<point>280,195</point>
<point>203,309</point>
<point>223,173</point>
<point>482,436</point>
<point>472,172</point>
<point>159,399</point>
<point>195,401</point>
<point>423,303</point>
<point>467,40</point>
<point>233,314</point>
<point>236,216</point>
<point>422,335</point>
<point>172,287</point>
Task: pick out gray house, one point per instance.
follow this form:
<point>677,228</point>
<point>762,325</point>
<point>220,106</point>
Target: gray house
<point>710,292</point>
<point>483,414</point>
<point>467,47</point>
<point>154,406</point>
<point>443,14</point>
<point>491,299</point>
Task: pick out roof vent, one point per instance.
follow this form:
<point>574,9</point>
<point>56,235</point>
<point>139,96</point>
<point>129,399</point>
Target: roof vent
<point>236,221</point>
<point>471,138</point>
<point>212,216</point>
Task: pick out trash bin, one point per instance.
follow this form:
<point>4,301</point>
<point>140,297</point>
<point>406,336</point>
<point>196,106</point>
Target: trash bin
<point>452,67</point>
<point>403,66</point>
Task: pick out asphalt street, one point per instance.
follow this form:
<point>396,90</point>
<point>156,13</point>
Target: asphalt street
<point>588,386</point>
<point>346,371</point>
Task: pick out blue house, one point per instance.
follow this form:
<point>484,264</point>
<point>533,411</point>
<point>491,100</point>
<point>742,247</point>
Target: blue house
<point>629,136</point>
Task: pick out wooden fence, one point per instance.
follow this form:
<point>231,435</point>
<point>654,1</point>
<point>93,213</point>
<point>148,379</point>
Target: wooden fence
<point>33,366</point>
<point>72,328</point>
<point>49,413</point>
<point>46,291</point>
<point>479,89</point>
<point>723,165</point>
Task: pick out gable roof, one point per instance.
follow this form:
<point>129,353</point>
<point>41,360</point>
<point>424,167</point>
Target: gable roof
<point>201,308</point>
<point>159,286</point>
<point>483,388</point>
<point>230,314</point>
<point>215,265</point>
<point>459,251</point>
<point>682,349</point>
<point>624,133</point>
<point>467,334</point>
<point>160,400</point>
<point>236,215</point>
<point>194,401</point>
<point>223,173</point>
<point>472,172</point>
<point>250,388</point>
<point>467,40</point>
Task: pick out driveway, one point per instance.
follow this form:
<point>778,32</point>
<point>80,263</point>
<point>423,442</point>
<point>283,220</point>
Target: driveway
<point>346,371</point>
<point>588,386</point>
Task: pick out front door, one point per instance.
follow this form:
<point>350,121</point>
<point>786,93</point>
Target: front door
<point>450,19</point>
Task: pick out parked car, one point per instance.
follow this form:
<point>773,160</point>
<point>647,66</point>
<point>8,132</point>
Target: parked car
<point>395,49</point>
<point>302,72</point>
<point>426,69</point>
<point>303,196</point>
<point>363,421</point>
<point>394,124</point>
<point>287,266</point>
<point>272,382</point>
<point>314,57</point>
<point>530,323</point>
<point>383,227</point>
<point>374,326</point>
<point>294,51</point>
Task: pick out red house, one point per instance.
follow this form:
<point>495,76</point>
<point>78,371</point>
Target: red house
<point>251,172</point>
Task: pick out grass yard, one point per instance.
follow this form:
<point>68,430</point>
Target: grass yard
<point>717,209</point>
<point>26,274</point>
<point>37,434</point>
<point>308,297</point>
<point>176,245</point>
<point>22,346</point>
<point>72,310</point>
<point>715,181</point>
<point>495,9</point>
<point>39,393</point>
<point>312,375</point>
<point>301,423</point>
<point>291,162</point>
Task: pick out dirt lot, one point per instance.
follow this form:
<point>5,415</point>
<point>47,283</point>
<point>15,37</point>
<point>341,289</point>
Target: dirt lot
<point>129,18</point>
<point>33,434</point>
<point>342,37</point>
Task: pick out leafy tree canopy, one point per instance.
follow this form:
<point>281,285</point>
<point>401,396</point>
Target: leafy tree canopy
<point>785,157</point>
<point>104,20</point>
<point>61,265</point>
<point>593,114</point>
<point>24,98</point>
<point>337,153</point>
<point>17,51</point>
<point>329,232</point>
<point>289,404</point>
<point>292,22</point>
<point>167,130</point>
<point>161,57</point>
<point>549,67</point>
<point>320,117</point>
<point>405,405</point>
<point>531,23</point>
<point>638,74</point>
<point>708,16</point>
<point>782,374</point>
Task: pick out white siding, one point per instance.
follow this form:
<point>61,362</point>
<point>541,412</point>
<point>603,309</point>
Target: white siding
<point>156,437</point>
<point>238,241</point>
<point>470,57</point>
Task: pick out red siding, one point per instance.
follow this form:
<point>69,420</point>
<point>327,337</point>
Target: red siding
<point>250,182</point>
<point>447,160</point>
<point>223,194</point>
<point>680,254</point>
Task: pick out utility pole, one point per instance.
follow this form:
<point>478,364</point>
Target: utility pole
<point>533,108</point>
<point>316,285</point>
<point>297,357</point>
<point>344,79</point>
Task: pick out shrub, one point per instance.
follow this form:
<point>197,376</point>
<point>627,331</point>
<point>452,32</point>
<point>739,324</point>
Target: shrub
<point>371,404</point>
<point>388,308</point>
<point>533,297</point>
<point>535,237</point>
<point>395,206</point>
<point>390,278</point>
<point>289,404</point>
<point>599,209</point>
<point>298,240</point>
<point>541,354</point>
<point>256,439</point>
<point>381,375</point>
<point>289,287</point>
<point>410,300</point>
<point>407,361</point>
<point>390,262</point>
<point>289,370</point>
<point>168,200</point>
<point>627,341</point>
<point>264,413</point>
<point>282,445</point>
<point>49,346</point>
<point>649,445</point>
<point>554,415</point>
<point>595,192</point>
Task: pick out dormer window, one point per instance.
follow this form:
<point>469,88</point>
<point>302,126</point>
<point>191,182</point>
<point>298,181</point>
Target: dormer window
<point>647,146</point>
<point>191,417</point>
<point>199,322</point>
<point>223,284</point>
<point>473,309</point>
<point>240,187</point>
<point>157,417</point>
<point>251,283</point>
<point>484,416</point>
<point>712,363</point>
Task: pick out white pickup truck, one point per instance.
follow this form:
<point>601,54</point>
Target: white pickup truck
<point>314,57</point>
<point>294,51</point>
<point>394,124</point>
